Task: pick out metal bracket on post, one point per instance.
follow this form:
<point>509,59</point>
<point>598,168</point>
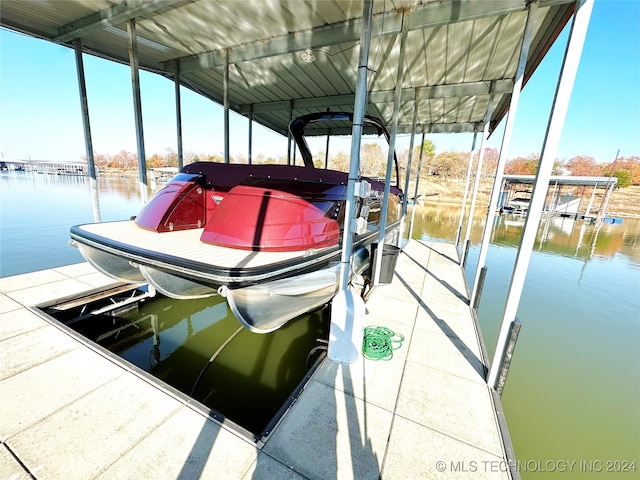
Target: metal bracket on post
<point>362,189</point>
<point>481,277</point>
<point>465,252</point>
<point>507,356</point>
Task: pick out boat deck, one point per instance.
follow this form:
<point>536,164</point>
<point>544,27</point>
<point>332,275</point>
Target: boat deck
<point>185,244</point>
<point>70,412</point>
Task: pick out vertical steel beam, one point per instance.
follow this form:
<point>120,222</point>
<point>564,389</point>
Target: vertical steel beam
<point>289,133</point>
<point>466,189</point>
<point>476,186</point>
<point>88,142</point>
<point>504,150</point>
<point>408,172</point>
<point>593,194</point>
<point>608,190</point>
<point>176,80</point>
<point>415,191</point>
<point>409,160</point>
<point>356,140</point>
<point>392,148</point>
<point>225,100</point>
<point>550,147</point>
<point>555,197</point>
<point>605,202</point>
<point>250,134</point>
<point>326,152</point>
<point>137,106</point>
<point>295,151</point>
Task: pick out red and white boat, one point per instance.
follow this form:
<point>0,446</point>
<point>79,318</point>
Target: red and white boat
<point>267,237</point>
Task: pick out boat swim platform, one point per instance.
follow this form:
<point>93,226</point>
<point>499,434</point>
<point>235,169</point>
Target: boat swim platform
<point>71,412</point>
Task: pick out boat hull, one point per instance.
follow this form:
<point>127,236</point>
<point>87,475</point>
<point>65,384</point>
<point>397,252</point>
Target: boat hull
<point>266,307</point>
<point>260,306</point>
<point>110,264</point>
<point>174,286</point>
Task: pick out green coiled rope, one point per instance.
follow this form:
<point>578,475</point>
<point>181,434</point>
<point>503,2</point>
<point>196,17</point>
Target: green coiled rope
<point>380,342</point>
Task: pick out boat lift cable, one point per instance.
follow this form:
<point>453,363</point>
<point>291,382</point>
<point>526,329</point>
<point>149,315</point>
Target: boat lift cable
<point>380,342</point>
<point>212,359</point>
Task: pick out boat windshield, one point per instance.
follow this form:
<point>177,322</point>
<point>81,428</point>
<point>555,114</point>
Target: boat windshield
<point>324,141</point>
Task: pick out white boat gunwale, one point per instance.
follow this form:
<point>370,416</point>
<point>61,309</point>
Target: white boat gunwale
<point>230,276</point>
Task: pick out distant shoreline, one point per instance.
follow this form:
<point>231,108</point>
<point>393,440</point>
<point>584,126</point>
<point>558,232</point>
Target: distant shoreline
<point>624,202</point>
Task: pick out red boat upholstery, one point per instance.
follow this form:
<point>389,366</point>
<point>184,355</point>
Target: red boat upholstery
<point>271,215</point>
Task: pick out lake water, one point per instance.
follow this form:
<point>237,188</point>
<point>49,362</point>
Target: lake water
<point>573,392</point>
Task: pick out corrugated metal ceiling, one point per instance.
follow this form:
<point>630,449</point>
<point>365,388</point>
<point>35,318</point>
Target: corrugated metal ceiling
<point>458,52</point>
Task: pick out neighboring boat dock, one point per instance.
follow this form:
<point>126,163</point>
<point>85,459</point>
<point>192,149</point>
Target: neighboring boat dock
<point>72,411</point>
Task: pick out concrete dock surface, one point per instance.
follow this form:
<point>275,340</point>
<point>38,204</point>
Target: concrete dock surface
<point>71,412</point>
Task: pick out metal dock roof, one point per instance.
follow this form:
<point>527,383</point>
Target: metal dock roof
<point>289,58</point>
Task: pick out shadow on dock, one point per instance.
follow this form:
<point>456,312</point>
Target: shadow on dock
<point>464,350</point>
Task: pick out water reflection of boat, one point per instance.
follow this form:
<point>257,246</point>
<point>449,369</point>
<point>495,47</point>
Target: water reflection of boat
<point>420,198</point>
<point>198,348</point>
<point>517,222</point>
<point>267,237</point>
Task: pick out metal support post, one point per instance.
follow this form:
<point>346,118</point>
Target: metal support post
<point>550,147</point>
<point>176,80</point>
<point>225,101</point>
<point>326,151</point>
<point>466,189</point>
<point>392,147</point>
<point>608,190</point>
<point>88,142</point>
<point>593,194</point>
<point>295,152</point>
<point>476,185</point>
<point>347,310</point>
<point>250,159</point>
<point>504,150</point>
<point>408,172</point>
<point>415,191</point>
<point>605,202</point>
<point>356,139</point>
<point>289,139</point>
<point>410,159</point>
<point>554,194</point>
<point>137,107</point>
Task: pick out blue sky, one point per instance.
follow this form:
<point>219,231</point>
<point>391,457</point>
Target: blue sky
<point>40,109</point>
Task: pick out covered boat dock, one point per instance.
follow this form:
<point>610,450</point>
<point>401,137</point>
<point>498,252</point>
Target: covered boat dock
<point>422,67</point>
<point>568,195</point>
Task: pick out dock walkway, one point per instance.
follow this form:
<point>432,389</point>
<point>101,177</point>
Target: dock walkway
<point>69,412</point>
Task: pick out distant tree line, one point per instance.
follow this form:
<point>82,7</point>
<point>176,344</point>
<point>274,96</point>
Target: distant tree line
<point>626,169</point>
<point>446,165</point>
<point>454,165</point>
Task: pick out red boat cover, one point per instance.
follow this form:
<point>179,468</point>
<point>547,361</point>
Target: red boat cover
<point>254,217</point>
<point>180,205</point>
